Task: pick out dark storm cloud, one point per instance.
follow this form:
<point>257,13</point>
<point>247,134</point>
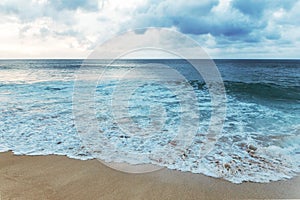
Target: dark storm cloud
<point>216,24</point>
<point>242,20</point>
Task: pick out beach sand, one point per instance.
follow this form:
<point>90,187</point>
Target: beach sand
<point>58,177</point>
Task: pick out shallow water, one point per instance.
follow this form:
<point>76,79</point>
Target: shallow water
<point>260,140</point>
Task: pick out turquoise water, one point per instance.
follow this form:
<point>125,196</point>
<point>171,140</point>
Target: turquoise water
<point>262,111</point>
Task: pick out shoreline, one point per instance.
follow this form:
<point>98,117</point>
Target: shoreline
<point>60,177</point>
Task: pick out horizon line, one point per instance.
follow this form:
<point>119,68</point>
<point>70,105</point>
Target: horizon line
<point>151,59</point>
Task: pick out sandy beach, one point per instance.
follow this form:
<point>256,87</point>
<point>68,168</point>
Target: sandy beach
<point>58,177</point>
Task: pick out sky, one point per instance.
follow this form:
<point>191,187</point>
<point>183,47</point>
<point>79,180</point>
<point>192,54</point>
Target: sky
<point>223,28</point>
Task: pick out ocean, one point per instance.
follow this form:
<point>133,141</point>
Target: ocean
<point>259,142</point>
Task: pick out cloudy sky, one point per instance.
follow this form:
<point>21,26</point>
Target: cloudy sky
<point>224,28</point>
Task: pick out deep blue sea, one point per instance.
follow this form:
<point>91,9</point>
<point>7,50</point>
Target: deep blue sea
<point>260,140</point>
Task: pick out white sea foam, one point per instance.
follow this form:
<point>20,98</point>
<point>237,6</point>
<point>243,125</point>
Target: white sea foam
<point>260,141</point>
<point>38,120</point>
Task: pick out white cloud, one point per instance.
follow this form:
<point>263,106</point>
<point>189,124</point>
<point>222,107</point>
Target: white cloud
<point>225,28</point>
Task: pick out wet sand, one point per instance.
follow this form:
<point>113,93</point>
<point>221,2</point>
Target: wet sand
<point>58,177</point>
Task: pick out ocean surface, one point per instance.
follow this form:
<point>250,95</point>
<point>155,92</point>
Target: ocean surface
<point>260,141</point>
